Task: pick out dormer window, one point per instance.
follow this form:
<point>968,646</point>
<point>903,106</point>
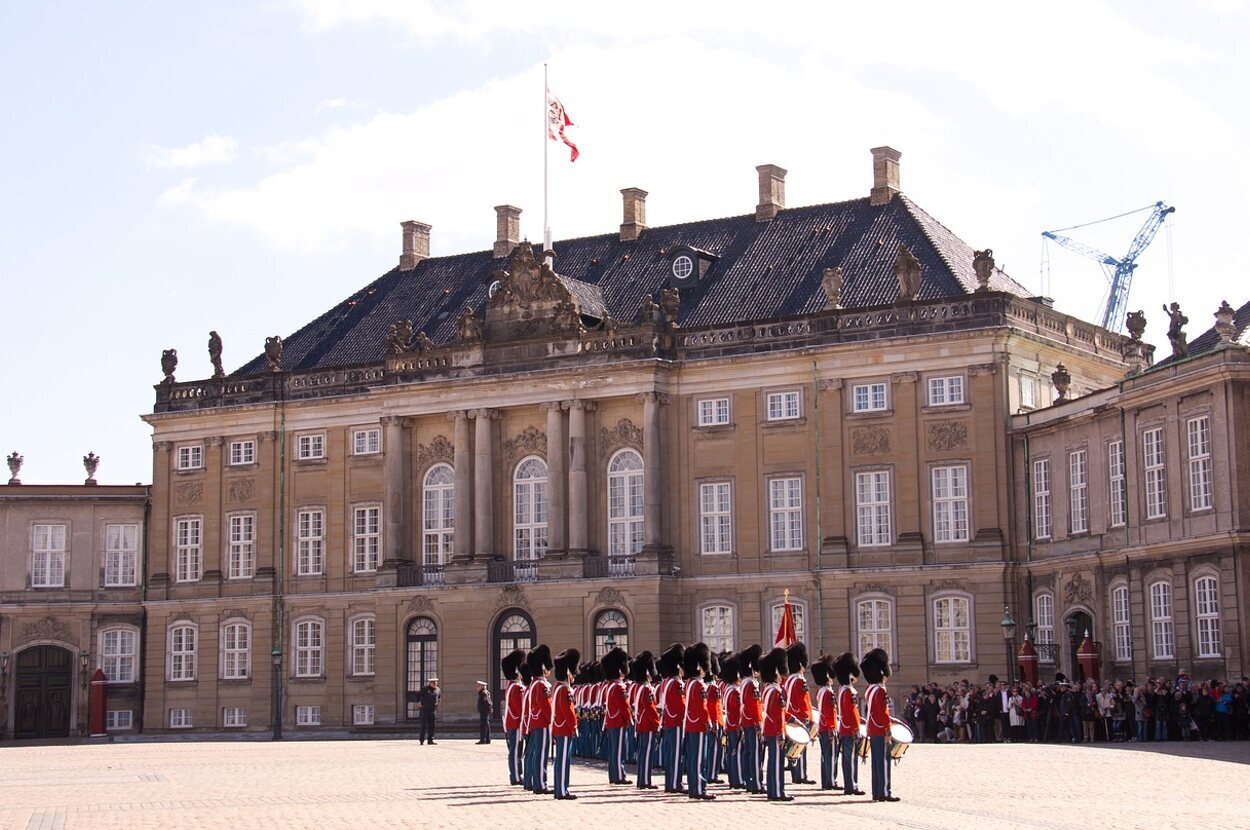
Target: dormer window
<point>688,264</point>
<point>683,267</point>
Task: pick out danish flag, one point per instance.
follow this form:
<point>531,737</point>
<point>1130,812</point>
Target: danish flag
<point>786,635</point>
<point>557,121</point>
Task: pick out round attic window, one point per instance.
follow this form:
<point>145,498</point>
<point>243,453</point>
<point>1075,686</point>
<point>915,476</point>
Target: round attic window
<point>683,267</point>
<point>493,289</point>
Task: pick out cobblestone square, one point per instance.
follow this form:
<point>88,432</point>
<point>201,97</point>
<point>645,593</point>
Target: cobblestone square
<point>399,783</point>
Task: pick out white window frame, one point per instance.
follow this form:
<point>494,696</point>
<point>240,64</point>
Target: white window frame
<point>121,555</point>
<point>785,513</point>
<point>438,514</point>
<point>119,720</point>
<point>362,714</point>
<point>1043,518</point>
<point>49,554</point>
<point>874,635</point>
<point>233,717</point>
<point>1078,491</point>
<point>713,412</point>
<point>951,508</point>
<point>1154,467</point>
<point>363,635</point>
<point>946,391</point>
<point>240,545</point>
<point>783,405</point>
<point>310,446</point>
<point>529,510</point>
<point>1121,622</point>
<point>952,642</point>
<point>873,519</point>
<point>625,503</point>
<point>182,648</point>
<point>366,538</point>
<point>1201,483</point>
<point>181,719</point>
<point>1028,391</point>
<point>189,457</point>
<point>118,649</point>
<point>308,640</point>
<point>798,610</point>
<point>367,441</point>
<point>307,715</point>
<point>683,266</point>
<point>870,397</point>
<point>310,541</point>
<point>236,649</point>
<point>1044,619</point>
<point>718,625</point>
<point>1116,476</point>
<point>716,517</point>
<point>1208,630</point>
<point>1162,632</point>
<point>188,548</point>
<point>242,452</point>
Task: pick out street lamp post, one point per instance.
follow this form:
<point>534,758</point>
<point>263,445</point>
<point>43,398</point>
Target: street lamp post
<point>1009,638</point>
<point>276,656</point>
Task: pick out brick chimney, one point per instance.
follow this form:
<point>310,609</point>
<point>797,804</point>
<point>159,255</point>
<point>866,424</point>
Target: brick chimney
<point>772,192</point>
<point>884,175</point>
<point>507,230</point>
<point>634,222</point>
<point>416,244</point>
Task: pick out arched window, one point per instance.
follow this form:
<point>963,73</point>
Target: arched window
<point>1044,617</point>
<point>716,626</point>
<point>798,610</point>
<point>118,650</point>
<point>1207,616</point>
<point>422,659</point>
<point>874,618</point>
<point>1161,620</point>
<point>515,629</point>
<point>611,629</point>
<point>529,492</point>
<point>1121,624</point>
<point>236,650</point>
<point>363,640</point>
<point>309,648</point>
<point>625,503</point>
<point>952,630</point>
<point>439,512</point>
<point>182,652</point>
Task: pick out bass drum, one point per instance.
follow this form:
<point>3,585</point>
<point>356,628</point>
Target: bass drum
<point>861,742</point>
<point>900,738</point>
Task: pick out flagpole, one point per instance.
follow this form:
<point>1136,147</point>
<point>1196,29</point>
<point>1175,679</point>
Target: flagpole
<point>546,150</point>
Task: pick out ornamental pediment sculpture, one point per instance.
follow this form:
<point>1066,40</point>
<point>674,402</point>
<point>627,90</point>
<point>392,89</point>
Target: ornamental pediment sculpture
<point>48,628</point>
<point>439,449</point>
<point>512,597</point>
<point>527,283</point>
<point>1078,589</point>
<point>531,441</point>
<point>870,441</point>
<point>624,434</point>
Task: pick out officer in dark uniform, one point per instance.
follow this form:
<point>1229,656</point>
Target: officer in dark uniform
<point>428,699</point>
<point>484,711</point>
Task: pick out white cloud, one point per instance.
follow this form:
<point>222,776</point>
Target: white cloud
<point>212,149</point>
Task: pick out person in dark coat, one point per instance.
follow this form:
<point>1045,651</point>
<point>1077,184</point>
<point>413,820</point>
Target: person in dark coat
<point>428,699</point>
<point>484,710</point>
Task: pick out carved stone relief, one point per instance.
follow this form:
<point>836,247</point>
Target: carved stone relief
<point>439,449</point>
<point>624,434</point>
<point>610,596</point>
<point>49,628</point>
<point>512,596</point>
<point>419,604</point>
<point>870,441</point>
<point>532,441</point>
<point>1078,589</point>
<point>241,490</point>
<point>188,493</point>
<point>947,435</point>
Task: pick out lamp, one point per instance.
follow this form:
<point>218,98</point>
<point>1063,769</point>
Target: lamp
<point>4,662</point>
<point>610,641</point>
<point>276,657</point>
<point>1009,636</point>
<point>1070,622</point>
<point>83,658</point>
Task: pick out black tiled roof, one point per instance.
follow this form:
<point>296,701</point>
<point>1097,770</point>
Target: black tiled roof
<point>1207,341</point>
<point>761,270</point>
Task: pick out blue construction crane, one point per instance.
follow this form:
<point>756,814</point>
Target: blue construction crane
<point>1119,271</point>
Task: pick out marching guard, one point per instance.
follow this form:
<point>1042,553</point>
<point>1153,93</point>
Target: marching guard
<point>563,720</point>
<point>616,715</point>
<point>772,665</point>
<point>510,667</point>
<point>752,717</point>
<point>673,713</point>
<point>732,701</point>
<point>714,740</point>
<point>538,719</point>
<point>826,715</point>
<point>846,671</point>
<point>798,705</point>
<point>696,662</point>
<point>646,715</point>
<point>876,668</point>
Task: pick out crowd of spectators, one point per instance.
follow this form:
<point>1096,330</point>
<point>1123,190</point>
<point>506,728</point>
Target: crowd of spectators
<point>1156,709</point>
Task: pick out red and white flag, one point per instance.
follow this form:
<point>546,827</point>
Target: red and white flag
<point>557,121</point>
<point>786,635</point>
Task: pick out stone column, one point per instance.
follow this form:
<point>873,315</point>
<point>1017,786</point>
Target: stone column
<point>579,525</point>
<point>393,505</point>
<point>557,486</point>
<point>651,528</point>
<point>462,544</point>
<point>483,493</point>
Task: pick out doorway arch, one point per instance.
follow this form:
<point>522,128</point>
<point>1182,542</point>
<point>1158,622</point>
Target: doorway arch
<point>1076,623</point>
<point>421,640</point>
<point>43,691</point>
<point>514,628</point>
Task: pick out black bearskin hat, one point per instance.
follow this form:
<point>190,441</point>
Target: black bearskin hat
<point>539,659</point>
<point>642,667</point>
<point>670,660</point>
<point>875,665</point>
<point>822,670</point>
<point>749,659</point>
<point>524,671</point>
<point>844,668</point>
<point>729,668</point>
<point>796,658</point>
<point>697,657</point>
<point>614,663</point>
<point>772,664</point>
<point>596,672</point>
<point>510,665</point>
<point>713,665</point>
<point>566,664</point>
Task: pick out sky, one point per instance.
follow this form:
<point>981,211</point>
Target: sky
<point>171,168</point>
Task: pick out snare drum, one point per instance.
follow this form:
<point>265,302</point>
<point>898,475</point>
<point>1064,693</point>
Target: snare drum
<point>861,742</point>
<point>901,737</point>
<point>797,739</point>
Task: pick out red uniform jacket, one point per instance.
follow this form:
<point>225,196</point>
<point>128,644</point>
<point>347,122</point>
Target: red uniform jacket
<point>733,708</point>
<point>848,712</point>
<point>751,715</point>
<point>798,703</point>
<point>563,715</point>
<point>512,705</point>
<point>878,711</point>
<point>617,714</point>
<point>538,703</point>
<point>671,703</point>
<point>827,710</point>
<point>646,715</point>
<point>774,704</point>
<point>715,715</point>
<point>696,706</point>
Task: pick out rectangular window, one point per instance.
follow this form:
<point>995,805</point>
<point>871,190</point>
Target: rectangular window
<point>1156,482</point>
<point>366,538</point>
<point>310,542</point>
<point>47,559</point>
<point>716,517</point>
<point>182,653</point>
<point>1161,620</point>
<point>242,557</point>
<point>874,616</point>
<point>233,717</point>
<point>946,391</point>
<point>783,406</point>
<point>717,624</point>
<point>363,638</point>
<point>1041,498</point>
<point>1115,473</point>
<point>190,457</point>
<point>242,452</point>
<point>785,513</point>
<point>118,720</point>
<point>1207,615</point>
<point>872,508</point>
<point>362,714</point>
<point>309,447</point>
<point>236,651</point>
<point>1120,622</point>
<point>180,719</point>
<point>714,412</point>
<point>121,555</point>
<point>117,655</point>
<point>1078,491</point>
<point>1028,391</point>
<point>188,545</point>
<point>868,397</point>
<point>309,645</point>
<point>366,441</point>
<point>951,630</point>
<point>1044,610</point>
<point>1200,490</point>
<point>950,504</point>
<point>307,715</point>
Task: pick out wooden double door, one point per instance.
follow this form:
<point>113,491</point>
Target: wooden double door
<point>42,693</point>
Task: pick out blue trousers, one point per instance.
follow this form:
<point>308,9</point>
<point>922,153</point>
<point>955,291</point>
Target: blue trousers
<point>537,755</point>
<point>564,757</point>
<point>645,741</point>
<point>733,758</point>
<point>798,769</point>
<point>615,741</point>
<point>670,752</point>
<point>513,737</point>
<point>776,762</point>
<point>828,760</point>
<point>850,769</point>
<point>750,755</point>
<point>711,753</point>
<point>695,751</point>
<point>880,767</point>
